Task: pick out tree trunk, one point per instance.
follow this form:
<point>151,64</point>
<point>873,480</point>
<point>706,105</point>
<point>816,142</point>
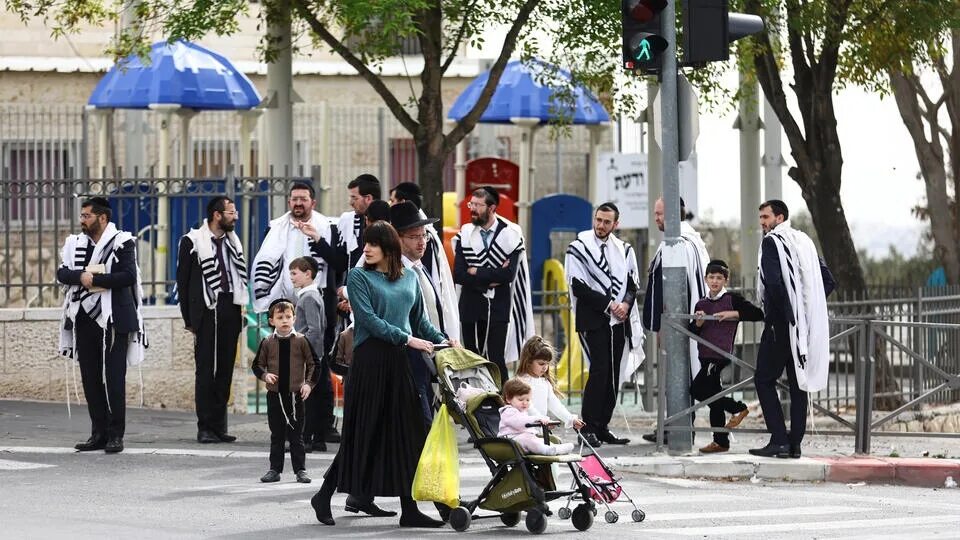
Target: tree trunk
<point>431,158</point>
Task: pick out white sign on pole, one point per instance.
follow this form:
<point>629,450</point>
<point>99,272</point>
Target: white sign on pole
<point>622,179</point>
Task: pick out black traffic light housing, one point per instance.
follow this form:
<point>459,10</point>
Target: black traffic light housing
<point>709,28</point>
<point>643,42</point>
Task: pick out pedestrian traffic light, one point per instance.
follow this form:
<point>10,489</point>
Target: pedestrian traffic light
<point>643,42</point>
<point>709,28</point>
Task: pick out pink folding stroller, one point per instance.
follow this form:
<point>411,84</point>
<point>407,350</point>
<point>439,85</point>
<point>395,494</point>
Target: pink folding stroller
<point>604,486</point>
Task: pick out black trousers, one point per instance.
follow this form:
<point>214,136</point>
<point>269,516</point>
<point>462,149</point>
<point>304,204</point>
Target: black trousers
<point>774,355</point>
<point>319,408</point>
<point>603,384</point>
<point>706,385</point>
<point>106,401</point>
<point>494,348</point>
<point>215,353</point>
<point>423,382</point>
<point>285,417</point>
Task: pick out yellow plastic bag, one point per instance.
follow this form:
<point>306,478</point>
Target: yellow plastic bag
<point>438,472</point>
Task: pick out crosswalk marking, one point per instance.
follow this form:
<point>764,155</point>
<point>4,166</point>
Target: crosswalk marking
<point>765,512</point>
<point>10,465</point>
<point>766,528</point>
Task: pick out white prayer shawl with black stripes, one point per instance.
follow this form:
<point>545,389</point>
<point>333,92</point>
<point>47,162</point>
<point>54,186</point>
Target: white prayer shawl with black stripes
<point>202,239</point>
<point>810,331</point>
<point>441,274</point>
<point>608,274</point>
<point>271,279</point>
<point>507,241</point>
<point>695,260</point>
<point>349,227</point>
<point>98,305</point>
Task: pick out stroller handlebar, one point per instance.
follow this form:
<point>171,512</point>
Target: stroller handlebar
<point>548,424</point>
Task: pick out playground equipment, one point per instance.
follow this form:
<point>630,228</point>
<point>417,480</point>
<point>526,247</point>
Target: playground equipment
<point>571,371</point>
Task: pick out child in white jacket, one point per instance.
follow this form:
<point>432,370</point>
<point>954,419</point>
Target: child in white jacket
<point>515,416</point>
<point>536,369</point>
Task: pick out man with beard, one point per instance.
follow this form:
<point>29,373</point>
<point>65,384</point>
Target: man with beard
<point>363,190</point>
<point>793,285</point>
<point>602,275</point>
<point>304,232</point>
<point>102,325</point>
<point>695,260</point>
<point>212,288</point>
<point>490,265</point>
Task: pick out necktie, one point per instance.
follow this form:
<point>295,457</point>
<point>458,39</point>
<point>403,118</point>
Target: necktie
<point>429,295</point>
<point>485,235</point>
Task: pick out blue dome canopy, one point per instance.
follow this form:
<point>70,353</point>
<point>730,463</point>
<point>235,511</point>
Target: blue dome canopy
<point>179,73</point>
<point>521,94</point>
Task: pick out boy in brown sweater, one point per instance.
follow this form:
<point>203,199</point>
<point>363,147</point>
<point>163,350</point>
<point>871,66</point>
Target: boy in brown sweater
<point>289,366</point>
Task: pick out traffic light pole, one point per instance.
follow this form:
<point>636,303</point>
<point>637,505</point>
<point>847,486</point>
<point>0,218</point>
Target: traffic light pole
<point>674,267</point>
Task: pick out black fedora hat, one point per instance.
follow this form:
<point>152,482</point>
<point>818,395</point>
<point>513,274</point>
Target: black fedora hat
<point>406,215</point>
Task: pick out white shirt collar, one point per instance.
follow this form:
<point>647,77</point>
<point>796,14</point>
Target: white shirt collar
<point>310,287</point>
<point>722,292</point>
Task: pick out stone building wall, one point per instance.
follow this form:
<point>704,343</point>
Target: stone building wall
<point>31,368</point>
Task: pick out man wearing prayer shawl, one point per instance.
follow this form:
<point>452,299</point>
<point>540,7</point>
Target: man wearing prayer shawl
<point>102,328</point>
<point>602,276</point>
<point>212,289</point>
<point>490,265</point>
<point>695,262</point>
<point>793,284</point>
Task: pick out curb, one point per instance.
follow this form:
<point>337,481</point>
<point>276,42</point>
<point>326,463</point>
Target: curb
<point>916,472</point>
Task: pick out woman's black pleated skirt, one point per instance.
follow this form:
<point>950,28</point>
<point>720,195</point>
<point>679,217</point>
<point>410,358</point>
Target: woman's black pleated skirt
<point>383,430</point>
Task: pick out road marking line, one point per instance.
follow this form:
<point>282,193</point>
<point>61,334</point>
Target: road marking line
<point>766,528</point>
<point>796,511</point>
<point>10,465</point>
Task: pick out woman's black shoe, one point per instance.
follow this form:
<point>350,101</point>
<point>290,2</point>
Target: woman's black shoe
<point>321,506</point>
<point>370,508</point>
<point>413,517</point>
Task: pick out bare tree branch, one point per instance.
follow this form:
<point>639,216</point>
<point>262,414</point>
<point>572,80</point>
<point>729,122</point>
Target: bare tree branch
<point>303,9</point>
<point>455,46</point>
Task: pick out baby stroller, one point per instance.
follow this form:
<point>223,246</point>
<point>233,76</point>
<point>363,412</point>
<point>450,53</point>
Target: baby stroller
<point>604,485</point>
<point>521,482</point>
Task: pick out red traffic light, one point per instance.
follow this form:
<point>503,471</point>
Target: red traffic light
<point>645,10</point>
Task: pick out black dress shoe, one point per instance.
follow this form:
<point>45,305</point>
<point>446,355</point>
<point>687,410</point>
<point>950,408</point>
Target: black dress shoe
<point>271,476</point>
<point>224,437</point>
<point>321,507</point>
<point>302,477</point>
<point>114,445</point>
<point>356,505</point>
<point>207,437</point>
<point>794,452</point>
<point>332,436</point>
<point>420,520</point>
<point>93,443</point>
<point>610,438</point>
<point>319,446</point>
<point>590,438</point>
<point>771,450</point>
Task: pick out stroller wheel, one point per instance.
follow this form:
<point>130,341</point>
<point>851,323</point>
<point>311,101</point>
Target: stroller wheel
<point>582,517</point>
<point>564,513</point>
<point>536,521</point>
<point>510,519</point>
<point>460,519</point>
<point>611,516</point>
<point>638,516</point>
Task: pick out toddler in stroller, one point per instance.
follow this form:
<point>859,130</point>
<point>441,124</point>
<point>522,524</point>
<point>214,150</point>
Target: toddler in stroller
<point>515,422</point>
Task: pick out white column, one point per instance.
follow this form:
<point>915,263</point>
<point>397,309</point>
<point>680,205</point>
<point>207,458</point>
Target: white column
<point>528,128</point>
<point>248,123</point>
<point>597,131</point>
<point>184,165</point>
<point>163,204</point>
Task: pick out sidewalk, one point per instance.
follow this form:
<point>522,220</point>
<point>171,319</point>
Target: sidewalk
<point>38,426</point>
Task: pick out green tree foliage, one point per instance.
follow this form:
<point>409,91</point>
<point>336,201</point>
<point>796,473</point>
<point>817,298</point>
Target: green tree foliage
<point>583,36</point>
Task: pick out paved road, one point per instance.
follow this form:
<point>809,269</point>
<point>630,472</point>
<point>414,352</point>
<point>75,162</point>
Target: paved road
<point>155,493</point>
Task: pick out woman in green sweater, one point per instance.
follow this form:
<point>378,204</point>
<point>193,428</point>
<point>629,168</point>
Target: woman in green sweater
<point>383,431</point>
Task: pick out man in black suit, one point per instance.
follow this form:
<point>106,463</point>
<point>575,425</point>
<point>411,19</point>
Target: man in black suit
<point>212,288</point>
<point>487,255</point>
<point>102,319</point>
<point>602,272</point>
